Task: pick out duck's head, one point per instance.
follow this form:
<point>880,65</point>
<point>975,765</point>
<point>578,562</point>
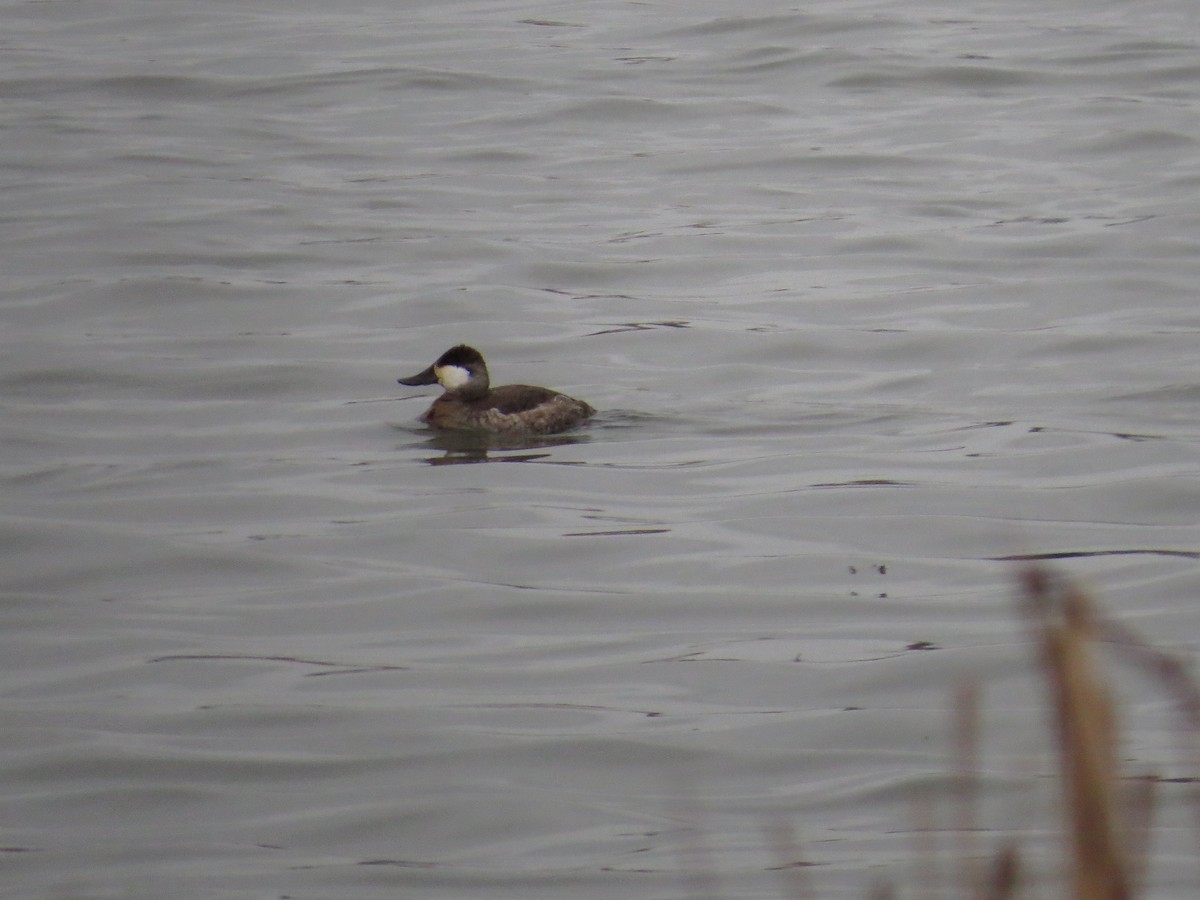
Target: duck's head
<point>459,370</point>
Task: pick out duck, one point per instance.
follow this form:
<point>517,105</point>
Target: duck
<point>470,403</point>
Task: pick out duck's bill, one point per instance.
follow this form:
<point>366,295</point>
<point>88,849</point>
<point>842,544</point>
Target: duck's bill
<point>426,377</point>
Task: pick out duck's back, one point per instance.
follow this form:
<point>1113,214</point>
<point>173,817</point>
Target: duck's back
<point>511,408</point>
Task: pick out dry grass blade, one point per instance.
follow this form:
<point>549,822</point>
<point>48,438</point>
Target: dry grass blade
<point>1086,729</point>
<point>966,787</point>
<point>1004,876</point>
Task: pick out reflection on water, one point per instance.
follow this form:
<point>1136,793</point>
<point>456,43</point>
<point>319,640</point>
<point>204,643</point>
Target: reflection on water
<point>462,447</point>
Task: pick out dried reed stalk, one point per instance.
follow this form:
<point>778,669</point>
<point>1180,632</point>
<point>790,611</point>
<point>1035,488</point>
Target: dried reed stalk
<point>1086,728</point>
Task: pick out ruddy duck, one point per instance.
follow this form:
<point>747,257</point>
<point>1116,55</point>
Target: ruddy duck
<point>471,404</point>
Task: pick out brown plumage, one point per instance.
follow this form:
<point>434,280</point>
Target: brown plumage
<point>471,404</point>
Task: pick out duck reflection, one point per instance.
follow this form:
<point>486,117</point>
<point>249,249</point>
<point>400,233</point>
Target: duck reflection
<point>463,447</point>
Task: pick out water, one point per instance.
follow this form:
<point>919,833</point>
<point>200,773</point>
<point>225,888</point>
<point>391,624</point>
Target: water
<point>869,294</point>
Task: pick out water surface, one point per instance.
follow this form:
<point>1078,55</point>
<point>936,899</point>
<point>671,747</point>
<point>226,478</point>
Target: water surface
<point>870,295</point>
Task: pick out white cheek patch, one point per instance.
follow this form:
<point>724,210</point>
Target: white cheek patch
<point>452,377</point>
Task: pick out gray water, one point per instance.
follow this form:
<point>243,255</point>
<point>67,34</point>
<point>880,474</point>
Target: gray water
<point>869,295</point>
